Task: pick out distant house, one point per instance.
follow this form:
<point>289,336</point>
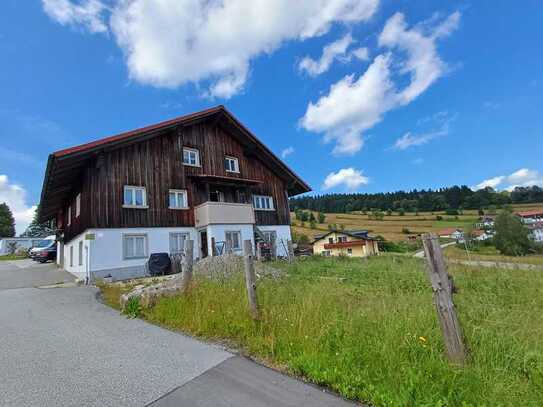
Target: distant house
<point>534,222</point>
<point>355,243</point>
<point>451,233</point>
<point>485,222</point>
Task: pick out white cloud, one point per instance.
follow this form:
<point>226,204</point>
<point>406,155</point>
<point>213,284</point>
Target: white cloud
<point>15,197</point>
<point>335,50</point>
<point>287,151</point>
<point>491,182</point>
<point>353,106</point>
<point>169,43</point>
<point>521,178</point>
<point>349,177</point>
<point>412,140</point>
<point>88,13</point>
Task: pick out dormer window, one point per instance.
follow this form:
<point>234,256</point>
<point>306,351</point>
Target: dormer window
<point>231,164</point>
<point>191,156</point>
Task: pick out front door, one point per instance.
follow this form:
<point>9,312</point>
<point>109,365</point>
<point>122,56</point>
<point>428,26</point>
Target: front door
<point>203,244</point>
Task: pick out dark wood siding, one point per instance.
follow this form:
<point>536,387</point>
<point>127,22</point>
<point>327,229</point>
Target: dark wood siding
<point>156,164</point>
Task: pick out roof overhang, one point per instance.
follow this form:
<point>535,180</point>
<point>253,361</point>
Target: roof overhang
<point>64,167</point>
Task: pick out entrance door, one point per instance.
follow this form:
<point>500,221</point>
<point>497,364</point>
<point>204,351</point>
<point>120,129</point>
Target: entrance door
<point>203,244</point>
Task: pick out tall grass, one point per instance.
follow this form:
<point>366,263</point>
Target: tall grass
<point>368,330</point>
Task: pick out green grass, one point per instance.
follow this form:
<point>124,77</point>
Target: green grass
<point>490,253</point>
<point>12,257</point>
<point>368,330</point>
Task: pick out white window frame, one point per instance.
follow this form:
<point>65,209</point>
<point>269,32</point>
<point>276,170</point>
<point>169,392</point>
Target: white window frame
<point>342,239</point>
<point>133,190</point>
<point>69,222</point>
<point>232,161</point>
<point>134,236</point>
<point>196,157</point>
<point>238,233</point>
<point>179,204</point>
<point>78,205</point>
<point>178,237</point>
<point>259,203</point>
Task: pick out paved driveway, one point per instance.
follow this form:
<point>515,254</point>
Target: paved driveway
<point>28,273</point>
<point>61,347</point>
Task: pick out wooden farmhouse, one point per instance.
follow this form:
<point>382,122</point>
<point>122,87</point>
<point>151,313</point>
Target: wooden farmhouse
<point>203,176</point>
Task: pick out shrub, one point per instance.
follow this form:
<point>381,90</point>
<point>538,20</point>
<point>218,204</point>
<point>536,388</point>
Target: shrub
<point>452,212</point>
<point>133,308</point>
<point>512,237</point>
<point>406,231</point>
<point>439,217</point>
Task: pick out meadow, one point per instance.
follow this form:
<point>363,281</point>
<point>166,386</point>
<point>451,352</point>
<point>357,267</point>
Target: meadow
<point>368,329</point>
<point>391,227</point>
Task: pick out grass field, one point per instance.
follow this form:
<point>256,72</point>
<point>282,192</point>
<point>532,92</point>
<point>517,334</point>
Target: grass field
<point>368,329</point>
<point>391,226</point>
<point>12,257</point>
<point>490,253</point>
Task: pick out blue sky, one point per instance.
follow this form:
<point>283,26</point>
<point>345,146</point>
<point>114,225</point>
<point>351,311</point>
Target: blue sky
<point>359,95</point>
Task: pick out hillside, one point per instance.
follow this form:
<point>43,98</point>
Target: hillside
<point>392,225</point>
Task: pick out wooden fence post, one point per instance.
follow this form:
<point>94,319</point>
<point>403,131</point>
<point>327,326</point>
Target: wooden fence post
<point>250,279</point>
<point>442,287</point>
<point>290,251</point>
<point>186,276</point>
<point>213,247</point>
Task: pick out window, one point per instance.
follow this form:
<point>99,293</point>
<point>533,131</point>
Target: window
<point>134,246</point>
<point>263,202</point>
<point>349,252</point>
<point>342,239</point>
<point>69,222</point>
<point>178,199</point>
<point>177,242</point>
<point>270,235</point>
<point>331,240</point>
<point>326,253</point>
<point>80,253</point>
<point>233,240</point>
<point>191,156</point>
<point>71,256</point>
<point>231,164</point>
<point>216,196</point>
<point>78,205</point>
<point>135,197</point>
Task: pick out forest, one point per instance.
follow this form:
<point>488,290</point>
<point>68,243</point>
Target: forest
<point>455,197</point>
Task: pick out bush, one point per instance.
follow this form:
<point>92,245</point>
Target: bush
<point>133,308</point>
<point>406,231</point>
<point>452,212</point>
<point>512,237</point>
<point>439,217</point>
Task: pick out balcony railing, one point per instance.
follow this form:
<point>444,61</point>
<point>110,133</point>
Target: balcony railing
<point>210,213</point>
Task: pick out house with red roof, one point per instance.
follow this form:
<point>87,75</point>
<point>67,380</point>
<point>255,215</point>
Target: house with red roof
<point>203,177</point>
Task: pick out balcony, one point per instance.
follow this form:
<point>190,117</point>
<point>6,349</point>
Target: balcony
<point>210,213</point>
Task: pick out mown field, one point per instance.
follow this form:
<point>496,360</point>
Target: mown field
<point>490,253</point>
<point>391,226</point>
<point>368,329</point>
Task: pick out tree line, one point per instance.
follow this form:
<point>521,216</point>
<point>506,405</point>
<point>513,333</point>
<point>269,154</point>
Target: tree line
<point>425,200</point>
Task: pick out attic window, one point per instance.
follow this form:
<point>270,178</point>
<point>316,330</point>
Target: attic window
<point>191,156</point>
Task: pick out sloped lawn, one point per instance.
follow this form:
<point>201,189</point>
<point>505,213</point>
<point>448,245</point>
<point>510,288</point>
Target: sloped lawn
<point>368,329</point>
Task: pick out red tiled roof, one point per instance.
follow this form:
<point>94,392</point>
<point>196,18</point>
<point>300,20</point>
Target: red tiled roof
<point>447,231</point>
<point>131,133</point>
<point>527,214</point>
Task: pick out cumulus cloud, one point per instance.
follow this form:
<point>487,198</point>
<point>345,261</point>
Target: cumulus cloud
<point>350,178</point>
<point>287,151</point>
<point>353,106</point>
<point>523,177</point>
<point>89,13</point>
<point>16,198</point>
<point>169,43</point>
<point>331,52</point>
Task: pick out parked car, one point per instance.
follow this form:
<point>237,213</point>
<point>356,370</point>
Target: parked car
<point>42,244</point>
<point>45,254</point>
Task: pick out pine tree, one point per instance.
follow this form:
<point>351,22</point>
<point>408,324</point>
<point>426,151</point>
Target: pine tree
<point>7,222</point>
<point>37,229</point>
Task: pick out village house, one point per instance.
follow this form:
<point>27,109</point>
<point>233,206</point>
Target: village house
<point>534,222</point>
<point>203,176</point>
<point>451,233</point>
<point>354,243</point>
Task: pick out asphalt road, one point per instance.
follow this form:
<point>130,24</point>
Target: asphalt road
<point>61,347</point>
<point>28,273</point>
